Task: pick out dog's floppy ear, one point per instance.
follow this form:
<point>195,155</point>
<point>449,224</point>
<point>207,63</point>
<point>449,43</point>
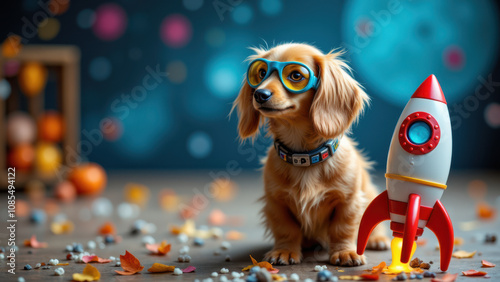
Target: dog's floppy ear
<point>339,99</point>
<point>249,117</point>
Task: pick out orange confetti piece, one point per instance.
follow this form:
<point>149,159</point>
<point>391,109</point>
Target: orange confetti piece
<point>64,227</point>
<point>277,277</point>
<point>473,272</point>
<point>263,264</point>
<point>458,241</point>
<point>234,235</point>
<point>446,278</point>
<point>160,268</point>
<point>223,190</point>
<point>63,264</point>
<point>137,194</point>
<point>421,242</point>
<point>485,263</point>
<point>130,264</point>
<point>89,273</point>
<point>89,259</point>
<point>485,211</point>
<point>463,254</point>
<point>169,200</point>
<point>33,242</point>
<point>159,249</point>
<point>376,270</point>
<point>107,228</point>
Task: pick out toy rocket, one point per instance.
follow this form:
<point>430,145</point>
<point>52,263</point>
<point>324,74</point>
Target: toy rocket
<point>417,170</point>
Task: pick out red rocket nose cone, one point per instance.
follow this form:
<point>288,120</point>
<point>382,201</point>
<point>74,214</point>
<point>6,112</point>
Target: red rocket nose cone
<point>430,89</point>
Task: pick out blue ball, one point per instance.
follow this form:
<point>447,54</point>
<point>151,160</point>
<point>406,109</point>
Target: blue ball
<point>252,278</point>
<point>78,248</point>
<point>324,275</point>
<point>38,216</point>
<point>109,239</point>
<point>254,269</point>
<point>198,242</point>
<point>28,267</point>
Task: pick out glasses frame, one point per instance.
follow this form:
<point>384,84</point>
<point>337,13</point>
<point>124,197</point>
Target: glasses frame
<point>279,66</point>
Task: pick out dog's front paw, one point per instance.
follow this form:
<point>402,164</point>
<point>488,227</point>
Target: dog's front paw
<point>378,243</point>
<point>283,257</point>
<point>347,258</point>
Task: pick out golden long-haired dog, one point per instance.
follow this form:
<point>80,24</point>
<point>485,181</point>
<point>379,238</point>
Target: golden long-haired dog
<point>306,101</point>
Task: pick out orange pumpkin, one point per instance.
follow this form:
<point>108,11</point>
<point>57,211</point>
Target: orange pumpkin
<point>51,127</point>
<point>89,179</point>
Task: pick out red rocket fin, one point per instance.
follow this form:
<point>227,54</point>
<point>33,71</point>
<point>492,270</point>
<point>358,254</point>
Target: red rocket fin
<point>440,223</point>
<point>411,226</point>
<point>376,212</point>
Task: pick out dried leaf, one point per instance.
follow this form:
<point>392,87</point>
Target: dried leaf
<point>88,259</point>
<point>64,227</point>
<point>89,273</point>
<point>33,242</point>
<point>473,272</point>
<point>463,254</point>
<point>263,264</point>
<point>446,278</point>
<point>485,263</point>
<point>160,268</point>
<point>485,211</point>
<point>130,264</point>
<point>159,249</point>
<point>189,269</point>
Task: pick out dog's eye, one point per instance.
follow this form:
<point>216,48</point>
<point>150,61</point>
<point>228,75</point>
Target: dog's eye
<point>296,76</point>
<point>262,73</point>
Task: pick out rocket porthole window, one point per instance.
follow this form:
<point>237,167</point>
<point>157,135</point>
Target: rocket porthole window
<point>419,133</point>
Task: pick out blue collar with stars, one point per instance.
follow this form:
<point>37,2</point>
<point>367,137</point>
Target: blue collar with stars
<point>318,155</point>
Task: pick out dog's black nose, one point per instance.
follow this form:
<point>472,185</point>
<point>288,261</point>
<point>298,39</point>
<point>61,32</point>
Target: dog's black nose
<point>262,95</point>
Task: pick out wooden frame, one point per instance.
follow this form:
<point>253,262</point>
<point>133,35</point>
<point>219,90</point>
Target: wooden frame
<point>64,60</point>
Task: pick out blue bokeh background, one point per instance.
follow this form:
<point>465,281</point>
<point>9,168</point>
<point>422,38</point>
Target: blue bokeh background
<point>182,123</point>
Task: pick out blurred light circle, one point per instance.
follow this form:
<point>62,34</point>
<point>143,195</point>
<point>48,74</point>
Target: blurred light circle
<point>454,57</point>
<point>135,54</point>
<point>48,28</point>
<point>215,37</point>
<point>21,128</point>
<point>176,71</point>
<point>492,115</point>
<point>242,14</point>
<point>271,7</point>
<point>175,31</point>
<point>111,128</point>
<point>11,46</point>
<point>199,145</point>
<point>11,68</point>
<point>32,78</point>
<point>192,5</point>
<point>100,68</point>
<point>85,18</point>
<point>58,7</point>
<point>221,77</point>
<point>4,89</point>
<point>110,22</point>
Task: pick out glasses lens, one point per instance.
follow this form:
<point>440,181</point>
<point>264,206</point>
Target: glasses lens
<point>257,72</point>
<point>295,77</point>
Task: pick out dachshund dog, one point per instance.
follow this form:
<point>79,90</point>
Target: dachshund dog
<point>308,99</point>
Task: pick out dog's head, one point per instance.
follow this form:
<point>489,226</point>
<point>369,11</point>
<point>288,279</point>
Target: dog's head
<point>331,107</point>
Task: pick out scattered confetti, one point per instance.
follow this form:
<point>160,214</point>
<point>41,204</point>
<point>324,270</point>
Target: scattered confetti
<point>63,227</point>
<point>107,228</point>
<point>376,270</point>
<point>137,194</point>
<point>458,241</point>
<point>485,263</point>
<point>319,268</point>
<point>223,190</point>
<point>234,235</point>
<point>89,273</point>
<point>160,268</point>
<point>446,278</point>
<point>485,211</point>
<point>473,272</point>
<point>33,242</point>
<point>89,259</point>
<point>421,242</point>
<point>130,264</point>
<point>263,264</point>
<point>169,200</point>
<point>159,249</point>
<point>463,254</point>
<point>189,269</point>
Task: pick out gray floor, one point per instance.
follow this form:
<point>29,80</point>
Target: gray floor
<point>456,200</point>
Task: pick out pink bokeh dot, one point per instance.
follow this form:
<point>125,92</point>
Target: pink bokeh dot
<point>110,22</point>
<point>454,57</point>
<point>11,68</point>
<point>111,128</point>
<point>492,115</point>
<point>364,27</point>
<point>175,31</point>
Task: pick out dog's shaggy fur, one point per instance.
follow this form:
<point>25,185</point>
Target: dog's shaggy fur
<point>321,203</point>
